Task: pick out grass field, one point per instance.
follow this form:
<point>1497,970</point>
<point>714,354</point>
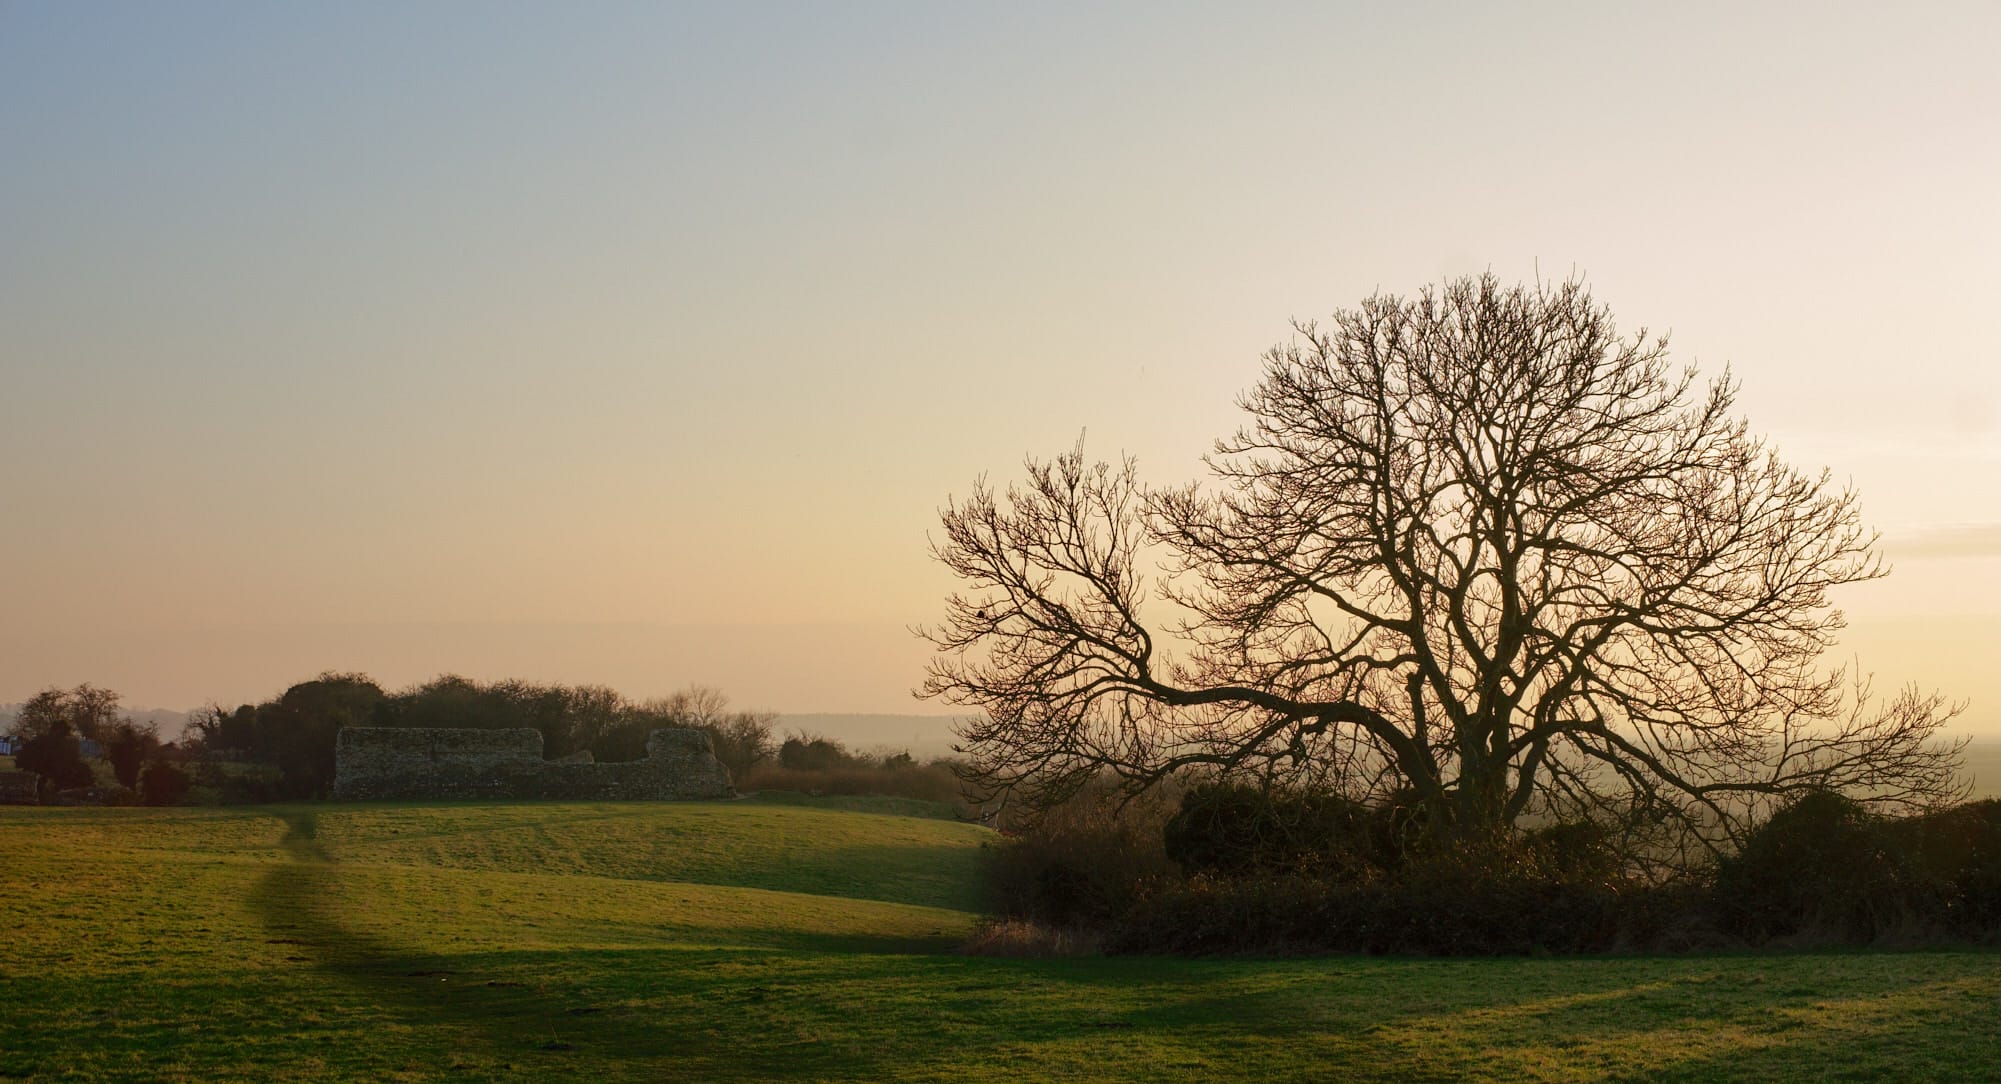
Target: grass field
<point>809,940</point>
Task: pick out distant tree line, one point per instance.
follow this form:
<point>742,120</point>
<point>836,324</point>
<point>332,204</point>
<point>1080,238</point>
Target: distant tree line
<point>291,737</point>
<point>52,730</point>
<point>816,765</point>
<point>282,749</point>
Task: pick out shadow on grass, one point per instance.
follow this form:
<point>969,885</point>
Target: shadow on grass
<point>1890,1034</point>
<point>538,1012</point>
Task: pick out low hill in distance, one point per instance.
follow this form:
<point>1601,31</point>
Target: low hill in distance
<point>1983,767</point>
<point>927,736</point>
<point>922,736</point>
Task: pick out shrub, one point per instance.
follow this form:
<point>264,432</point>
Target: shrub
<point>1824,868</point>
<point>1574,852</point>
<point>1496,898</point>
<point>55,756</point>
<point>163,784</point>
<point>1235,869</point>
<point>809,753</point>
<point>1820,868</point>
<point>1081,864</point>
<point>1232,829</point>
<point>1956,855</point>
<point>126,746</point>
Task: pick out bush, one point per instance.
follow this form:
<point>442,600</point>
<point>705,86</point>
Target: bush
<point>1956,854</point>
<point>1230,829</point>
<point>127,745</point>
<point>1819,869</point>
<point>807,753</point>
<point>55,756</point>
<point>1499,898</point>
<point>163,784</point>
<point>810,764</point>
<point>1081,864</point>
<point>1574,852</point>
<point>1235,869</point>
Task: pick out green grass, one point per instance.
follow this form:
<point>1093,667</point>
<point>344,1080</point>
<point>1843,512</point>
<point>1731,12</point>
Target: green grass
<point>809,940</point>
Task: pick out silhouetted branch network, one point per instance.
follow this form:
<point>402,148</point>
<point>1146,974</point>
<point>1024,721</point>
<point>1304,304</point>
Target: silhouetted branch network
<point>1473,551</point>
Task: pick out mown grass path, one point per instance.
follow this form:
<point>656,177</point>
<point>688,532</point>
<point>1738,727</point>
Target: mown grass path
<point>753,941</point>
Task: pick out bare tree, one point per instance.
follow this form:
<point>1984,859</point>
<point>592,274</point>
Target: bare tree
<point>1474,551</point>
<point>693,705</point>
<point>88,711</point>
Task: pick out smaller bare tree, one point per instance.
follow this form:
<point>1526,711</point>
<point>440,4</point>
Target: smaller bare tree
<point>742,739</point>
<point>88,711</point>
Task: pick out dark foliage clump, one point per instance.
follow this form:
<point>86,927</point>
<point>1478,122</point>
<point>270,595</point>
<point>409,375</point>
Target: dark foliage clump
<point>1818,867</point>
<point>1237,869</point>
<point>741,740</point>
<point>225,783</point>
<point>293,734</point>
<point>1544,892</point>
<point>56,756</point>
<point>1421,916</point>
<point>163,784</point>
<point>1957,852</point>
<point>806,753</point>
<point>811,764</point>
<point>1823,869</point>
<point>1235,830</point>
<point>127,745</point>
<point>1080,864</point>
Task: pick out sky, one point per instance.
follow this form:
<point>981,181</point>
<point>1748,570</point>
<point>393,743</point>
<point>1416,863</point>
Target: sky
<point>641,344</point>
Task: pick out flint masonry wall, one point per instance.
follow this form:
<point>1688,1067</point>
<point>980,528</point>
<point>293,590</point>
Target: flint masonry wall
<point>373,762</point>
<point>20,788</point>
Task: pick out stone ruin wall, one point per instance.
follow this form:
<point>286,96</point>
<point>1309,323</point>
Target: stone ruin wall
<point>20,788</point>
<point>377,762</point>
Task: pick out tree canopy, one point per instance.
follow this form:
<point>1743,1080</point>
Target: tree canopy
<point>88,711</point>
<point>1473,551</point>
<point>297,731</point>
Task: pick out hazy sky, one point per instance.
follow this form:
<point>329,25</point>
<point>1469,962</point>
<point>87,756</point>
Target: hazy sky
<point>640,344</point>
